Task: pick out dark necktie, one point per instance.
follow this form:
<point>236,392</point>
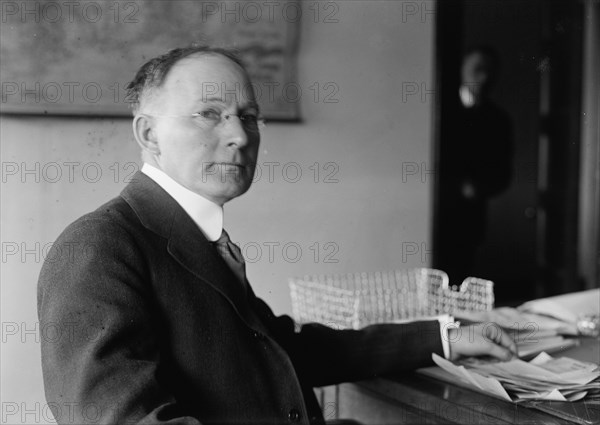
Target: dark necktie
<point>232,256</point>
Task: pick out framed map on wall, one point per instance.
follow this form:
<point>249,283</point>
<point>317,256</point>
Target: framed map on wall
<point>77,57</point>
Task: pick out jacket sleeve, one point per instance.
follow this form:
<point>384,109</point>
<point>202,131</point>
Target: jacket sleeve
<point>100,345</point>
<point>326,356</point>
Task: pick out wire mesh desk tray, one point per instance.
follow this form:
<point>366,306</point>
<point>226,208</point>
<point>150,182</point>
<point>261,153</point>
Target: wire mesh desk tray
<point>352,301</point>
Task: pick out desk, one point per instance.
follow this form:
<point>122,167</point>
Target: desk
<point>417,399</point>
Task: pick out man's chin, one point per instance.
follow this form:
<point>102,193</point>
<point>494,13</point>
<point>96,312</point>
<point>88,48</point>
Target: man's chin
<point>220,192</point>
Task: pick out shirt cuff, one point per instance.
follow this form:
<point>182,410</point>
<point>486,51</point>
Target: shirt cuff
<point>446,322</point>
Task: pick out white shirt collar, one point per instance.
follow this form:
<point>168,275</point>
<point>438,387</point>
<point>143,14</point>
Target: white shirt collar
<point>206,214</point>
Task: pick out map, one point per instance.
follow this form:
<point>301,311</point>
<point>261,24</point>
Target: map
<point>77,57</point>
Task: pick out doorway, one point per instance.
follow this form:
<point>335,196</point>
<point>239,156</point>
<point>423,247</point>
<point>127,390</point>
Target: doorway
<point>527,237</point>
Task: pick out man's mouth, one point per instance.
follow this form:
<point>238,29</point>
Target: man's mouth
<point>225,165</point>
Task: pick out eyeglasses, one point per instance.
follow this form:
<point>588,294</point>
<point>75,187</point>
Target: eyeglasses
<point>212,119</point>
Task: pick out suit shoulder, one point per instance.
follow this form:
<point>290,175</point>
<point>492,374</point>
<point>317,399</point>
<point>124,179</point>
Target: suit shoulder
<point>114,218</point>
<point>103,240</point>
<point>111,231</point>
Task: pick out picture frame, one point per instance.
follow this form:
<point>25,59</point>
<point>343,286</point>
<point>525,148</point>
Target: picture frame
<point>76,58</point>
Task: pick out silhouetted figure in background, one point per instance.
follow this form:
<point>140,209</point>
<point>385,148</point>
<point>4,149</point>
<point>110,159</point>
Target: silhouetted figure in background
<point>477,154</point>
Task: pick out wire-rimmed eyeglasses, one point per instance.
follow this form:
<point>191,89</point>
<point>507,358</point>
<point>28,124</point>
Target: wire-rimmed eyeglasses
<point>211,119</point>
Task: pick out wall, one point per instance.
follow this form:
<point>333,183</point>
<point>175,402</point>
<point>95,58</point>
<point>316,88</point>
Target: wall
<point>369,201</point>
<point>589,188</point>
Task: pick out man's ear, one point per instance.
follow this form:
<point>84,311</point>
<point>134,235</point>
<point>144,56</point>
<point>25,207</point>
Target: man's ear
<point>145,134</point>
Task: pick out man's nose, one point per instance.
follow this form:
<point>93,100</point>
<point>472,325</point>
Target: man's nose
<point>236,134</point>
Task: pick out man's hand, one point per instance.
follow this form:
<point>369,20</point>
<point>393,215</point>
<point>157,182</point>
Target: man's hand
<point>480,340</point>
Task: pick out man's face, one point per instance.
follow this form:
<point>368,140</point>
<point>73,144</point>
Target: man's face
<point>215,159</point>
<point>476,73</point>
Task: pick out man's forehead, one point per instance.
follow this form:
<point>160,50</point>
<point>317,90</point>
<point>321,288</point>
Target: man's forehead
<point>212,74</point>
<point>477,58</point>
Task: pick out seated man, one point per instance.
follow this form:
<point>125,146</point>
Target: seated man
<point>163,324</point>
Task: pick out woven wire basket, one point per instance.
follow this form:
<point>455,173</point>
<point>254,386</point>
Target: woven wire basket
<point>352,301</point>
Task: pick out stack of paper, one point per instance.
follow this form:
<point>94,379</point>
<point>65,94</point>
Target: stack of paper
<point>532,333</point>
<point>558,314</point>
<point>567,308</point>
<point>538,325</point>
<point>511,318</point>
<point>531,342</point>
<point>543,378</point>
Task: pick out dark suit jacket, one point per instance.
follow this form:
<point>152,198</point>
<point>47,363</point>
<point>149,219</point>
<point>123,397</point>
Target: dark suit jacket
<point>143,322</point>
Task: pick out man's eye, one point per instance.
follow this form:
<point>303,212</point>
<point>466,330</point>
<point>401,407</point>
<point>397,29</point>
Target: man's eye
<point>209,114</point>
<point>249,118</point>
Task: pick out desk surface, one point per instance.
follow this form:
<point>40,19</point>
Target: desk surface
<point>416,399</point>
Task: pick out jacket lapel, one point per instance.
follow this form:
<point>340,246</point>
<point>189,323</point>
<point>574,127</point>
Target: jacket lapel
<point>161,214</point>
